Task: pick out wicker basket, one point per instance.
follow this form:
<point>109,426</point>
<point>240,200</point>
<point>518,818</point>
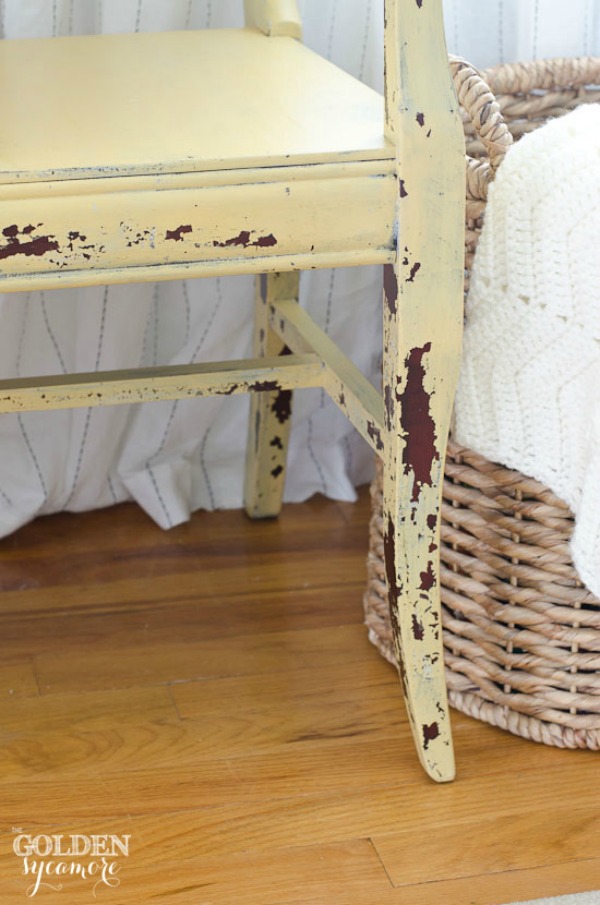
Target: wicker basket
<point>521,633</point>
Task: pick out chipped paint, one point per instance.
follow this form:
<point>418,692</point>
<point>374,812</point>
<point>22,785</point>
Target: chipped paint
<point>413,272</point>
<point>243,240</point>
<point>177,234</point>
<point>388,401</point>
<point>427,578</point>
<point>389,548</point>
<point>421,119</point>
<point>389,554</point>
<point>402,189</point>
<point>375,435</point>
<point>417,629</point>
<point>430,733</point>
<point>41,245</point>
<point>282,406</point>
<point>418,426</point>
<point>390,287</point>
<point>276,442</point>
<point>264,386</point>
<point>277,471</point>
<point>432,521</point>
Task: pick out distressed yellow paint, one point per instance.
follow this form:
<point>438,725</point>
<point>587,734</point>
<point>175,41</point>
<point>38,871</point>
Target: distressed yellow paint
<point>192,154</point>
<point>218,378</point>
<point>270,413</point>
<point>347,386</point>
<point>272,216</point>
<point>422,334</point>
<point>274,17</point>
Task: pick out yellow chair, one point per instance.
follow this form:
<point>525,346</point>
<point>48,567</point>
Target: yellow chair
<point>187,154</point>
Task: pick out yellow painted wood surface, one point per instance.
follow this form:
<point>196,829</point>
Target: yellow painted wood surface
<point>346,385</point>
<point>270,413</point>
<point>274,17</point>
<point>176,221</point>
<point>423,310</point>
<point>217,378</point>
<point>178,102</point>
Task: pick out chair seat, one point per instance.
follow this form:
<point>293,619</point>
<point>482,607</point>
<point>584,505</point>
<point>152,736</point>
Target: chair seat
<point>177,102</point>
<point>172,155</point>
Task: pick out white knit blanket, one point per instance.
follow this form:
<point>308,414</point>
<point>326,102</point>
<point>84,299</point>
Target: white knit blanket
<point>529,392</point>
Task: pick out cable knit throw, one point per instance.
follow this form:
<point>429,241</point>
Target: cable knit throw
<point>529,393</point>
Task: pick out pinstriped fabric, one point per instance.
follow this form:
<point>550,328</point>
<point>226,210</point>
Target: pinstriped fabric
<point>174,458</point>
<point>536,29</point>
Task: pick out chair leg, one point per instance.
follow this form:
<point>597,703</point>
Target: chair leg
<point>415,436</point>
<point>270,412</point>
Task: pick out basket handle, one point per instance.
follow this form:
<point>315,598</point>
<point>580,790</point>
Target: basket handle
<point>482,108</point>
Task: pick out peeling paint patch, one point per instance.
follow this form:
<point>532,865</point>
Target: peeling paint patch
<point>421,119</point>
<point>375,435</point>
<point>177,234</point>
<point>388,400</point>
<point>389,548</point>
<point>276,442</point>
<point>282,406</point>
<point>432,521</point>
<point>231,390</point>
<point>417,629</point>
<point>243,239</point>
<point>390,287</point>
<point>413,272</point>
<point>402,189</point>
<point>427,578</point>
<point>264,386</point>
<point>418,426</point>
<point>277,471</point>
<point>430,733</point>
<point>38,246</point>
<point>419,3</point>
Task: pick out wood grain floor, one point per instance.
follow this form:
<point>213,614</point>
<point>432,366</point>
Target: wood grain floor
<point>211,692</point>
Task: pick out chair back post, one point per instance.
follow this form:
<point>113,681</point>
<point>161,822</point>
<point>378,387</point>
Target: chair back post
<point>277,18</point>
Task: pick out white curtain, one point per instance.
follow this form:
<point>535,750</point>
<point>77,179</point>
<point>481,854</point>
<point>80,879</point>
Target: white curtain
<point>176,457</point>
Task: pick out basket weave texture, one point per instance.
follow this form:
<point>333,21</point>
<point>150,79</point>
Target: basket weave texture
<point>521,633</point>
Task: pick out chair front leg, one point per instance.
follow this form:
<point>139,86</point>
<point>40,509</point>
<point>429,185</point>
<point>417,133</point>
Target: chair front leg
<point>270,412</point>
<point>414,448</point>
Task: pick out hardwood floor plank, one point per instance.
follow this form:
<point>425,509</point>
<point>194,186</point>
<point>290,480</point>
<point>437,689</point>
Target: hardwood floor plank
<point>168,621</point>
<point>17,678</point>
<point>509,886</point>
<point>552,833</point>
<point>249,654</point>
<point>73,711</point>
<point>214,579</point>
<point>320,871</point>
